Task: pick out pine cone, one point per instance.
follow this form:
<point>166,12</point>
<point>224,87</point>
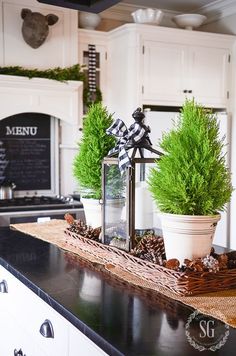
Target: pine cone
<point>93,234</point>
<point>210,264</point>
<point>193,265</point>
<point>80,228</point>
<point>150,248</point>
<point>172,263</point>
<point>223,261</point>
<point>231,255</point>
<point>69,218</point>
<point>213,253</point>
<point>232,264</point>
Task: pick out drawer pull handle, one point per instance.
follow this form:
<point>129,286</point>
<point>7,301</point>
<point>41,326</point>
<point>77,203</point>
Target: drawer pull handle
<point>18,353</point>
<point>46,329</point>
<point>3,287</point>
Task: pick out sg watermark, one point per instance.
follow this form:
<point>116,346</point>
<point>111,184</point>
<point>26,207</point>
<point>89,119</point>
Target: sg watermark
<point>205,333</point>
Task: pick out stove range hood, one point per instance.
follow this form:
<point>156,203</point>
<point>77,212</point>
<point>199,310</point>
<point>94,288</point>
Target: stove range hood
<point>95,6</point>
<point>60,99</point>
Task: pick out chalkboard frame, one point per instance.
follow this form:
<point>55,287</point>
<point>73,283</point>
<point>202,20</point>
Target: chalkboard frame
<point>54,163</point>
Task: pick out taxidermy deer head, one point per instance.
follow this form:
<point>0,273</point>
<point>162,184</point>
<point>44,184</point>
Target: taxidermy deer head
<point>35,27</point>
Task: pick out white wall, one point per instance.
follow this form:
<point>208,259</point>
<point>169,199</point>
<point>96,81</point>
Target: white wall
<point>227,25</point>
<point>60,47</point>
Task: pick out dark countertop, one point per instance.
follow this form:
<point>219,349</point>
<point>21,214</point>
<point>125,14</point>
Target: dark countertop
<point>120,319</point>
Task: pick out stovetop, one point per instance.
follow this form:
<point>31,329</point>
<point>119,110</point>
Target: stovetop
<point>39,203</point>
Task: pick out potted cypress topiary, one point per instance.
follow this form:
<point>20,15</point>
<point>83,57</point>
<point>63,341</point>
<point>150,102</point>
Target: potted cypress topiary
<point>191,183</point>
<point>87,165</point>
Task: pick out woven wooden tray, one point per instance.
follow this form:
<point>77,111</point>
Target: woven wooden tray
<point>181,283</point>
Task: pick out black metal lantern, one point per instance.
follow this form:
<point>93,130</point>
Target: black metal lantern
<point>127,203</point>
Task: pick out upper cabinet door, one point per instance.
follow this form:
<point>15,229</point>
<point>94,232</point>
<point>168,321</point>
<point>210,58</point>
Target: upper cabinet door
<point>172,72</point>
<point>209,75</point>
<point>165,72</point>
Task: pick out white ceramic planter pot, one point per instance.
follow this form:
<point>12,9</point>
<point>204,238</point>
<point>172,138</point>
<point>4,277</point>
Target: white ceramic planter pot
<point>188,236</point>
<point>92,211</point>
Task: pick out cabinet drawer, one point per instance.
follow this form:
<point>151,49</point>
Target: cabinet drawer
<point>15,338</point>
<point>31,312</point>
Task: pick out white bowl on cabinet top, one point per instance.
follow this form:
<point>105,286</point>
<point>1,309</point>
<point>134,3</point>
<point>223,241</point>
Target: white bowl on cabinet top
<point>148,16</point>
<point>89,20</point>
<point>189,21</point>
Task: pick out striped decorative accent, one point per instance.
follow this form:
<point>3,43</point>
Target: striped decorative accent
<point>92,68</point>
<point>125,136</point>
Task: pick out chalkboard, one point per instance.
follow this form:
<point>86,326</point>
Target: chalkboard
<point>25,154</point>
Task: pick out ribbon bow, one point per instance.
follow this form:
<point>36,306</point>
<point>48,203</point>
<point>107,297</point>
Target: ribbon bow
<point>131,136</point>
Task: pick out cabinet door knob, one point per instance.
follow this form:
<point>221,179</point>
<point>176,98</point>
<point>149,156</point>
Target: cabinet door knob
<point>46,329</point>
<point>18,353</point>
<point>3,287</point>
<point>190,91</point>
<point>185,91</point>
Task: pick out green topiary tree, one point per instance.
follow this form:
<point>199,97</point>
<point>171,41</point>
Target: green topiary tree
<point>94,146</point>
<point>192,177</point>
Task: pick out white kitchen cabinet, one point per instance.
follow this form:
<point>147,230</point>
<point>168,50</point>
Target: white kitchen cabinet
<point>22,314</point>
<point>172,72</point>
<point>161,66</point>
<point>209,75</point>
<point>165,68</point>
<point>15,338</point>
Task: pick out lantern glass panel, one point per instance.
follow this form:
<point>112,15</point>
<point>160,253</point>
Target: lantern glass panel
<point>115,218</point>
<point>144,204</point>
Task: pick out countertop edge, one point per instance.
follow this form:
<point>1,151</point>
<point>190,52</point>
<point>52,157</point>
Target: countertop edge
<point>82,327</point>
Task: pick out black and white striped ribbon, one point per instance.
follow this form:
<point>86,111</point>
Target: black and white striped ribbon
<point>126,136</point>
<point>92,68</point>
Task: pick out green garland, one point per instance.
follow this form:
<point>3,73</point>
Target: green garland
<point>74,72</point>
<point>61,74</point>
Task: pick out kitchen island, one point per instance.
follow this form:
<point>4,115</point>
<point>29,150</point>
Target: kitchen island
<point>91,313</point>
